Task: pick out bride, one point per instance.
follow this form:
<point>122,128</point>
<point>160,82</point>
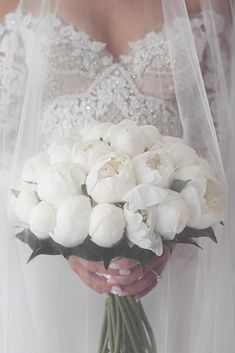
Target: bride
<point>167,63</point>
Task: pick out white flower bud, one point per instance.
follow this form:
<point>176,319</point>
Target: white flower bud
<point>35,167</point>
<point>72,221</point>
<point>127,138</point>
<point>182,154</point>
<point>86,155</point>
<point>61,182</point>
<point>171,216</point>
<point>95,131</point>
<point>24,204</point>
<point>42,220</point>
<point>151,135</point>
<point>213,209</point>
<point>106,225</point>
<point>60,151</point>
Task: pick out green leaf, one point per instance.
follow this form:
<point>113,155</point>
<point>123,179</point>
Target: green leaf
<point>188,241</point>
<point>84,189</point>
<point>179,185</point>
<point>197,233</point>
<point>169,244</point>
<point>15,192</point>
<point>27,237</point>
<point>44,249</point>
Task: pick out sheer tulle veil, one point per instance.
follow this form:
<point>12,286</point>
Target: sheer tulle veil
<point>43,306</point>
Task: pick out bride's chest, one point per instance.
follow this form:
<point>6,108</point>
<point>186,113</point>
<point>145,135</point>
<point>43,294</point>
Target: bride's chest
<point>83,81</point>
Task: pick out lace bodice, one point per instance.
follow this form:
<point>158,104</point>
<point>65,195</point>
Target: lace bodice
<point>85,82</point>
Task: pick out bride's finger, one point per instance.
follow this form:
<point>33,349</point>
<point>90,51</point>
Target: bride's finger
<point>115,269</point>
<point>140,285</point>
<point>91,279</point>
<point>144,292</point>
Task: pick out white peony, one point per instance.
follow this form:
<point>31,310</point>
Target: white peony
<point>106,225</point>
<point>127,138</point>
<point>96,131</point>
<point>151,135</point>
<point>72,221</point>
<point>35,167</point>
<point>24,204</point>
<point>86,155</point>
<point>213,207</point>
<point>60,151</point>
<point>190,172</point>
<point>140,229</point>
<point>62,181</point>
<point>43,220</point>
<point>139,214</point>
<point>182,154</point>
<point>193,194</point>
<point>154,167</point>
<point>143,196</point>
<point>171,216</point>
<point>110,179</point>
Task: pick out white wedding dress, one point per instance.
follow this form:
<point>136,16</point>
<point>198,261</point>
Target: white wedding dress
<point>49,309</point>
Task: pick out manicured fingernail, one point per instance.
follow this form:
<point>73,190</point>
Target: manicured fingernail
<point>114,266</point>
<point>116,290</point>
<point>124,272</point>
<point>111,280</point>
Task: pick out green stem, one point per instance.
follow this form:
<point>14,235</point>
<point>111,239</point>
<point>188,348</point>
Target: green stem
<point>110,329</point>
<point>118,327</point>
<point>128,326</point>
<point>139,321</point>
<point>104,330</point>
<point>132,320</point>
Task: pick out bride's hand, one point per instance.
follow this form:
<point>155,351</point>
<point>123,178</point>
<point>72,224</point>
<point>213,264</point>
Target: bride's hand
<point>123,277</point>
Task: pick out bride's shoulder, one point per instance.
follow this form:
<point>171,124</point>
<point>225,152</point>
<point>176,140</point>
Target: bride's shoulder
<point>7,7</point>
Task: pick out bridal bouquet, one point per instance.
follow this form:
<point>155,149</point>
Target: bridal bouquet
<point>118,191</point>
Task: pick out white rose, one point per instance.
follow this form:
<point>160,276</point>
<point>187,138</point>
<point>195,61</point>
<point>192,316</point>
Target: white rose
<point>35,167</point>
<point>43,220</point>
<point>127,138</point>
<point>60,151</point>
<point>72,221</point>
<point>154,167</point>
<point>62,181</point>
<point>110,179</point>
<point>171,216</point>
<point>151,135</point>
<point>106,225</point>
<point>95,131</point>
<point>143,196</point>
<point>140,229</point>
<point>24,205</point>
<point>88,154</point>
<point>213,208</point>
<point>182,154</point>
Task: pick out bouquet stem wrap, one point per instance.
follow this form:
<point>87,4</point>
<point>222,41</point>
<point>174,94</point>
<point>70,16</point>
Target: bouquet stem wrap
<point>126,328</point>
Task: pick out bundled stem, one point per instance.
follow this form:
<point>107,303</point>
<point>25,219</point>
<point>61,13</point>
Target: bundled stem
<point>126,328</point>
